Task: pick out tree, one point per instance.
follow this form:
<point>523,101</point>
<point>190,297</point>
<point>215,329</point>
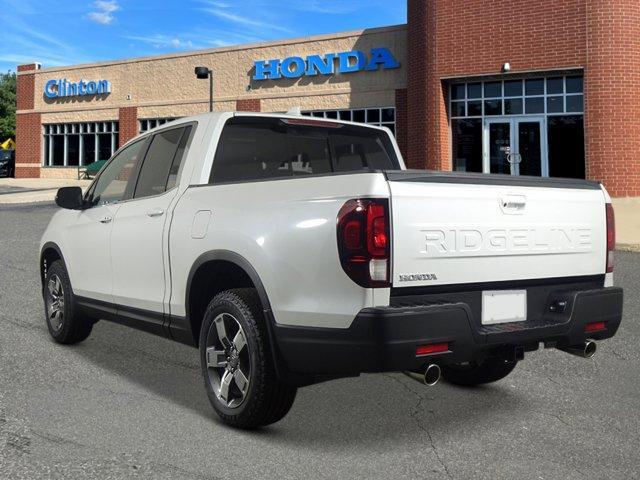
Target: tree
<point>7,106</point>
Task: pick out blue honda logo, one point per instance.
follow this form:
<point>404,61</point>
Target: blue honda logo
<point>328,64</point>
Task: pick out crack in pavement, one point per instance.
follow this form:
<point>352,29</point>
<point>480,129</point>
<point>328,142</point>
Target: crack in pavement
<point>56,439</point>
<point>618,355</point>
<point>414,415</point>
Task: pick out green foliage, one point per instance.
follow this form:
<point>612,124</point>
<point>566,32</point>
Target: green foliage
<point>7,106</point>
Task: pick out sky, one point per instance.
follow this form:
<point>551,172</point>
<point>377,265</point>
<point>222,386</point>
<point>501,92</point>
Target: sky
<point>67,32</point>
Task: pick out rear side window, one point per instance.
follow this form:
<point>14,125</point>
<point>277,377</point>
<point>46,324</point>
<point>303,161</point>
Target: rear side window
<point>162,162</point>
<point>253,148</point>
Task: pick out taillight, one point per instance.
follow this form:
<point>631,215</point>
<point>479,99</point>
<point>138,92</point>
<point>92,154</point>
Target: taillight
<point>611,236</point>
<point>364,241</point>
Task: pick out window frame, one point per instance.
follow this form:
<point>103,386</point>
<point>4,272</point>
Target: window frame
<point>128,197</point>
<point>188,129</point>
<point>82,130</point>
<point>545,95</point>
<point>147,124</point>
<point>545,114</point>
<point>380,123</point>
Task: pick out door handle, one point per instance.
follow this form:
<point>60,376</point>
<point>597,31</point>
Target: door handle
<point>513,203</point>
<point>156,212</point>
<point>106,219</point>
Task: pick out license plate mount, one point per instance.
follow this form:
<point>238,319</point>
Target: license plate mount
<point>504,306</point>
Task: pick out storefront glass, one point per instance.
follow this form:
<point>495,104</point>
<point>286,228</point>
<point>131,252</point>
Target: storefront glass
<point>78,144</point>
<point>380,117</point>
<point>526,126</point>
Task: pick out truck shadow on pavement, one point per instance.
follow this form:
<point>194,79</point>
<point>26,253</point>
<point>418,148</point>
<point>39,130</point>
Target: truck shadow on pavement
<point>366,409</point>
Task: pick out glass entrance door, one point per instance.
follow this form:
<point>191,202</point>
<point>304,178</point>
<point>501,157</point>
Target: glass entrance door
<point>514,146</point>
<point>498,146</point>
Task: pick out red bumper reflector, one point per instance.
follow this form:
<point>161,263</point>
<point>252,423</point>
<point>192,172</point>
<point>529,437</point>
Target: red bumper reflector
<point>431,349</point>
<point>594,327</point>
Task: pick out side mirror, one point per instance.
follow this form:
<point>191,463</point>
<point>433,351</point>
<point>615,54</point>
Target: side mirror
<point>70,198</point>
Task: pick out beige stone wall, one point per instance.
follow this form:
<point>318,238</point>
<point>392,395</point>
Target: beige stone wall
<point>166,86</point>
<point>183,109</point>
<point>100,115</point>
<point>59,172</point>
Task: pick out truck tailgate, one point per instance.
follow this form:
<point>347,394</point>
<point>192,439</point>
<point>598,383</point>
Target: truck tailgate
<point>461,229</point>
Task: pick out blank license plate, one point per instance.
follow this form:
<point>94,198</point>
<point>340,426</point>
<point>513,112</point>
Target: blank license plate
<point>503,306</point>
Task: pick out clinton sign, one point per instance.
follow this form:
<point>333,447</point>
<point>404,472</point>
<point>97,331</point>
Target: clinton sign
<point>64,88</point>
<point>328,64</point>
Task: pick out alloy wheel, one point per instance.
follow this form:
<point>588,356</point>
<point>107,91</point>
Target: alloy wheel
<point>55,303</point>
<point>228,360</point>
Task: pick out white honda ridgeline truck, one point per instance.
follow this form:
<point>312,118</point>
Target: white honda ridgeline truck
<point>292,250</point>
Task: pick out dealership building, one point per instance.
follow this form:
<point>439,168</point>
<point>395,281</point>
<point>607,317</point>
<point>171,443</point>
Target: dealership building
<point>542,88</point>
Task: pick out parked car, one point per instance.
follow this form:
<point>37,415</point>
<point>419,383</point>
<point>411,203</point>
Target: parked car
<point>292,251</point>
<point>7,163</point>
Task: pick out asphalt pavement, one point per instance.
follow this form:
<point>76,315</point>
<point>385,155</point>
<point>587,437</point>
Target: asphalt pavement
<point>126,404</point>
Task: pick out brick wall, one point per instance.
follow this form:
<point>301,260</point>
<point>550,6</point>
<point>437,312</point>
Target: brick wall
<point>25,90</point>
<point>28,126</point>
<point>449,38</point>
<point>417,88</point>
<point>474,37</point>
<point>248,105</point>
<point>401,120</point>
<point>28,145</point>
<point>612,95</point>
<point>128,124</point>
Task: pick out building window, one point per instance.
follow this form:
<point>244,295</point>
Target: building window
<point>146,124</point>
<point>78,144</point>
<point>548,96</point>
<point>380,117</point>
<point>540,121</point>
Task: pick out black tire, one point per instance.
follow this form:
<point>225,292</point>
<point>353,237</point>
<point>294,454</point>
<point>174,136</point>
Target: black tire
<point>263,400</point>
<point>72,327</point>
<point>473,374</point>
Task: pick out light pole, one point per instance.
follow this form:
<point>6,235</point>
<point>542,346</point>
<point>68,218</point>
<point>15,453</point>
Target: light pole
<point>202,73</point>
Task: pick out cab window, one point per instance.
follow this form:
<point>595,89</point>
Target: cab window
<point>162,162</point>
<point>254,148</point>
<point>111,184</point>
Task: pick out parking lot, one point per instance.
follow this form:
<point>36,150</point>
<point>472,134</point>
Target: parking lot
<point>126,404</point>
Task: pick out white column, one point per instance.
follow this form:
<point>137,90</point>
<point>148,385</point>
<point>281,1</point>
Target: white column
<point>50,162</point>
<point>81,148</point>
<point>65,148</point>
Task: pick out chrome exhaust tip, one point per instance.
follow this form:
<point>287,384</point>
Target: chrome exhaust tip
<point>583,350</point>
<point>429,377</point>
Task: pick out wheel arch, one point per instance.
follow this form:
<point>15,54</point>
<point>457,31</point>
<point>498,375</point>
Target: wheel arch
<point>240,273</point>
<point>219,258</point>
<point>49,253</point>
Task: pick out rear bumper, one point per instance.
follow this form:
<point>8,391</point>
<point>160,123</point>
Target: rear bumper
<point>385,339</point>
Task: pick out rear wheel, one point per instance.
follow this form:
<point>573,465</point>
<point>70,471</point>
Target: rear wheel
<point>237,363</point>
<point>474,373</point>
<point>65,323</point>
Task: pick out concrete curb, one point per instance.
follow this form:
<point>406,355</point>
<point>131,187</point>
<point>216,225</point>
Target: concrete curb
<point>628,247</point>
<point>28,197</point>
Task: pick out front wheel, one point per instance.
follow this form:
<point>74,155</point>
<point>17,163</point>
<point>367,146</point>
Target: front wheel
<point>65,323</point>
<point>237,363</point>
<point>473,373</point>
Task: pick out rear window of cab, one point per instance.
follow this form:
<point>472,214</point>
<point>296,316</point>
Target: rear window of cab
<point>254,149</point>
